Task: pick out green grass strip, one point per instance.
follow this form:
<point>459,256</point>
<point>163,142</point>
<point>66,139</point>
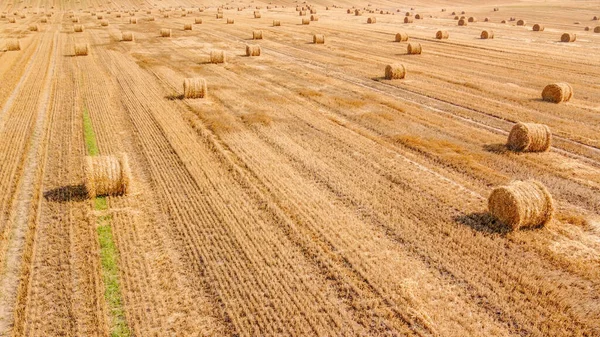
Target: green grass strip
<point>109,256</point>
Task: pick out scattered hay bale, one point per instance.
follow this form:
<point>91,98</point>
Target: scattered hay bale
<point>78,28</point>
<point>442,34</point>
<point>521,22</point>
<point>557,92</point>
<point>74,20</point>
<point>456,18</point>
<point>81,49</point>
<point>104,23</point>
<point>568,37</point>
<point>34,28</point>
<point>408,19</point>
<point>127,36</point>
<point>198,21</point>
<point>595,18</point>
<point>257,35</point>
<point>395,71</point>
<point>314,18</point>
<point>107,175</point>
<point>118,15</point>
<point>487,34</point>
<point>463,12</point>
<point>472,19</point>
<point>597,29</point>
<point>318,39</point>
<point>503,21</point>
<point>165,32</point>
<point>257,15</point>
<point>414,48</point>
<point>349,11</point>
<point>100,17</point>
<point>252,50</point>
<point>305,21</point>
<point>462,22</point>
<point>522,204</point>
<point>496,9</point>
<point>13,45</point>
<point>187,26</point>
<point>486,20</point>
<point>408,14</point>
<point>133,21</point>
<point>401,37</point>
<point>167,15</point>
<point>538,28</point>
<point>230,21</point>
<point>313,11</point>
<point>418,16</point>
<point>357,12</point>
<point>443,9</point>
<point>44,20</point>
<point>372,20</point>
<point>276,23</point>
<point>219,15</point>
<point>194,88</point>
<point>217,56</point>
<point>529,137</point>
<point>301,13</point>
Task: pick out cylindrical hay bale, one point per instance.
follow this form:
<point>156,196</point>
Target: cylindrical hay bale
<point>219,15</point>
<point>463,12</point>
<point>305,21</point>
<point>314,18</point>
<point>568,37</point>
<point>217,56</point>
<point>472,19</point>
<point>252,50</point>
<point>133,21</point>
<point>486,20</point>
<point>127,36</point>
<point>301,13</point>
<point>595,18</point>
<point>496,9</point>
<point>13,45</point>
<point>81,49</point>
<point>187,26</point>
<point>408,14</point>
<point>487,34</point>
<point>456,18</point>
<point>107,175</point>
<point>257,15</point>
<point>462,22</point>
<point>167,15</point>
<point>349,11</point>
<point>529,137</point>
<point>521,23</point>
<point>194,88</point>
<point>522,204</point>
<point>74,20</point>
<point>442,34</point>
<point>78,28</point>
<point>165,32</point>
<point>357,12</point>
<point>597,29</point>
<point>118,15</point>
<point>401,37</point>
<point>198,21</point>
<point>313,11</point>
<point>418,16</point>
<point>408,19</point>
<point>100,17</point>
<point>395,71</point>
<point>372,20</point>
<point>230,21</point>
<point>104,23</point>
<point>34,28</point>
<point>557,92</point>
<point>12,20</point>
<point>538,28</point>
<point>257,35</point>
<point>318,39</point>
<point>44,20</point>
<point>414,48</point>
<point>276,23</point>
<point>150,18</point>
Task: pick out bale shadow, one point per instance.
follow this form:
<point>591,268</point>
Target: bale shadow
<point>67,193</point>
<point>174,97</point>
<point>483,222</point>
<point>498,148</point>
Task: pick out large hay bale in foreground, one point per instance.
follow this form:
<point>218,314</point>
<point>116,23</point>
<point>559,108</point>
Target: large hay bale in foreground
<point>395,71</point>
<point>318,39</point>
<point>538,27</point>
<point>107,175</point>
<point>81,49</point>
<point>557,92</point>
<point>401,37</point>
<point>414,48</point>
<point>529,137</point>
<point>78,28</point>
<point>257,35</point>
<point>568,37</point>
<point>127,36</point>
<point>165,32</point>
<point>442,34</point>
<point>487,34</point>
<point>194,88</point>
<point>521,204</point>
<point>217,56</point>
<point>13,45</point>
<point>252,50</point>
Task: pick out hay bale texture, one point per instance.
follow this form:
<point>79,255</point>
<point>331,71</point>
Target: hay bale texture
<point>414,48</point>
<point>305,21</point>
<point>372,20</point>
<point>408,19</point>
<point>568,37</point>
<point>252,50</point>
<point>194,88</point>
<point>487,34</point>
<point>395,71</point>
<point>318,39</point>
<point>107,175</point>
<point>597,29</point>
<point>442,34</point>
<point>81,49</point>
<point>13,45</point>
<point>230,21</point>
<point>538,27</point>
<point>257,35</point>
<point>276,23</point>
<point>529,137</point>
<point>401,37</point>
<point>78,28</point>
<point>165,32</point>
<point>187,26</point>
<point>521,204</point>
<point>127,36</point>
<point>217,56</point>
<point>133,21</point>
<point>557,92</point>
<point>314,18</point>
<point>34,28</point>
<point>462,22</point>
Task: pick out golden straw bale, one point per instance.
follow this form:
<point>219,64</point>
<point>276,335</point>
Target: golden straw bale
<point>187,26</point>
<point>276,23</point>
<point>486,20</point>
<point>127,36</point>
<point>318,39</point>
<point>418,16</point>
<point>107,175</point>
<point>349,11</point>
<point>100,17</point>
<point>133,21</point>
<point>521,23</point>
<point>44,20</point>
<point>257,15</point>
<point>75,20</point>
<point>496,9</point>
<point>557,92</point>
<point>78,28</point>
<point>462,22</point>
<point>472,19</point>
<point>314,18</point>
<point>104,23</point>
<point>257,35</point>
<point>165,32</point>
<point>401,37</point>
<point>301,13</point>
<point>13,45</point>
<point>217,56</point>
<point>414,48</point>
<point>219,15</point>
<point>395,71</point>
<point>597,29</point>
<point>305,21</point>
<point>198,21</point>
<point>568,37</point>
<point>372,20</point>
<point>538,27</point>
<point>408,19</point>
<point>194,88</point>
<point>357,12</point>
<point>587,28</point>
<point>34,28</point>
<point>230,21</point>
<point>487,34</point>
<point>408,14</point>
<point>529,137</point>
<point>522,204</point>
<point>252,50</point>
<point>81,49</point>
<point>442,34</point>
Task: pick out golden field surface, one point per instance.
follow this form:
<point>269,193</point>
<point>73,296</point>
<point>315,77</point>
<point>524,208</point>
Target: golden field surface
<point>304,194</point>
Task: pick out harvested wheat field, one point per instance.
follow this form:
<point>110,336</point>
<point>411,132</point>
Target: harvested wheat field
<point>333,179</point>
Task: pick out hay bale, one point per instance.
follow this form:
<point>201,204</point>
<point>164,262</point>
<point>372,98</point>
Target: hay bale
<point>349,11</point>
<point>81,49</point>
<point>313,11</point>
<point>357,12</point>
<point>529,137</point>
<point>408,14</point>
<point>12,20</point>
<point>418,16</point>
<point>118,15</point>
<point>557,92</point>
<point>217,56</point>
<point>167,15</point>
<point>165,32</point>
<point>568,37</point>
<point>187,26</point>
<point>414,48</point>
<point>107,175</point>
<point>319,39</point>
<point>401,37</point>
<point>408,19</point>
<point>194,88</point>
<point>597,29</point>
<point>595,18</point>
<point>13,45</point>
<point>487,34</point>
<point>257,15</point>
<point>44,20</point>
<point>133,21</point>
<point>521,204</point>
<point>503,21</point>
<point>127,36</point>
<point>74,20</point>
<point>395,71</point>
<point>538,28</point>
<point>151,18</point>
<point>276,23</point>
<point>520,22</point>
<point>301,13</point>
<point>104,23</point>
<point>496,9</point>
<point>34,28</point>
<point>486,20</point>
<point>100,17</point>
<point>314,18</point>
<point>257,35</point>
<point>456,18</point>
<point>472,19</point>
<point>219,15</point>
<point>78,28</point>
<point>198,21</point>
<point>462,22</point>
<point>230,21</point>
<point>442,34</point>
<point>372,20</point>
<point>252,50</point>
<point>305,21</point>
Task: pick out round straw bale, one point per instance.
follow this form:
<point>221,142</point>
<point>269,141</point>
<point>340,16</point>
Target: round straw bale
<point>194,87</point>
<point>557,92</point>
<point>81,49</point>
<point>349,11</point>
<point>529,137</point>
<point>357,12</point>
<point>487,34</point>
<point>414,48</point>
<point>167,15</point>
<point>401,37</point>
<point>34,28</point>
<point>118,15</point>
<point>395,71</point>
<point>74,20</point>
<point>257,15</point>
<point>100,17</point>
<point>462,22</point>
<point>133,21</point>
<point>587,28</point>
<point>257,34</point>
<point>521,204</point>
<point>150,18</point>
<point>408,19</point>
<point>418,16</point>
<point>230,21</point>
<point>301,13</point>
<point>44,20</point>
<point>13,45</point>
<point>78,28</point>
<point>372,20</point>
<point>456,18</point>
<point>472,19</point>
<point>313,11</point>
<point>217,56</point>
<point>408,14</point>
<point>107,175</point>
<point>453,13</point>
<point>318,39</point>
<point>538,28</point>
<point>486,20</point>
<point>443,9</point>
<point>597,29</point>
<point>442,34</point>
<point>305,21</point>
<point>463,12</point>
<point>198,21</point>
<point>496,9</point>
<point>104,23</point>
<point>595,18</point>
<point>314,18</point>
<point>521,23</point>
<point>276,23</point>
<point>568,37</point>
<point>127,36</point>
<point>503,21</point>
<point>187,26</point>
<point>219,15</point>
<point>252,50</point>
<point>165,32</point>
